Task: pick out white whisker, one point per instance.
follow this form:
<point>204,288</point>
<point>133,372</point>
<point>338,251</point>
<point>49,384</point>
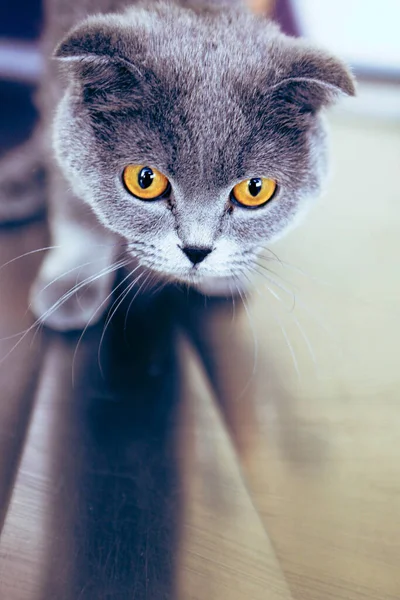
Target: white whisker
<point>115,306</point>
<point>233,304</point>
<point>134,297</point>
<point>41,320</point>
<point>297,323</point>
<point>278,284</point>
<point>45,248</point>
<point>289,345</point>
<point>91,319</point>
<point>252,329</point>
<point>306,340</point>
<point>275,256</point>
<point>294,268</point>
<point>10,262</point>
<point>65,297</point>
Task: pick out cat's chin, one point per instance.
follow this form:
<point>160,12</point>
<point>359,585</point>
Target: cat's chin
<point>189,278</point>
<point>210,285</point>
<point>218,286</point>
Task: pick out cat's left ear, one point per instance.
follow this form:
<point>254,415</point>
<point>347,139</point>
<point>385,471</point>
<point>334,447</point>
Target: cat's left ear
<point>311,78</point>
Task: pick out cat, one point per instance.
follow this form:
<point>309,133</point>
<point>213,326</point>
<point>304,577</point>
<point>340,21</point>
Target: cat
<point>185,137</point>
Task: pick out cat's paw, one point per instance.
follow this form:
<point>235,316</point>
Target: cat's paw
<point>22,183</point>
<point>65,298</point>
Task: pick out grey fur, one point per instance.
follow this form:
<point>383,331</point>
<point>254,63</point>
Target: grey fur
<point>208,96</point>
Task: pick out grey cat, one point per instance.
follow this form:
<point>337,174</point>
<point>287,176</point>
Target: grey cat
<point>186,137</point>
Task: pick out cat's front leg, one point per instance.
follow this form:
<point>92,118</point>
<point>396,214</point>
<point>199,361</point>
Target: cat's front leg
<point>74,285</point>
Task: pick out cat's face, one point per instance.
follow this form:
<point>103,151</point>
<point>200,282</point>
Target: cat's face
<point>204,102</point>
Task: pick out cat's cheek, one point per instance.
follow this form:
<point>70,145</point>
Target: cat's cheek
<point>163,253</point>
<point>270,223</point>
<point>222,259</point>
<point>292,219</point>
<point>72,150</point>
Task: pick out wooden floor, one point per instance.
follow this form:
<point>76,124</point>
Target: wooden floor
<point>209,452</point>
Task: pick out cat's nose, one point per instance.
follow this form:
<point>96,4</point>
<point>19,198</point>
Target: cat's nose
<point>196,255</point>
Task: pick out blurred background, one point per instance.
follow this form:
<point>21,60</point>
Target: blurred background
<point>312,403</point>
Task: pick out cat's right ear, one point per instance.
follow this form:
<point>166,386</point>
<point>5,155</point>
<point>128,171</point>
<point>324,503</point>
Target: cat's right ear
<point>95,54</point>
<point>102,37</point>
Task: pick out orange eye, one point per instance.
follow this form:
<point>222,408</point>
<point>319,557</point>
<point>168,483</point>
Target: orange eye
<point>145,182</point>
<point>253,193</point>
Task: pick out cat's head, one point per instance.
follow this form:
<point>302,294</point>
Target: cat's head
<point>197,136</point>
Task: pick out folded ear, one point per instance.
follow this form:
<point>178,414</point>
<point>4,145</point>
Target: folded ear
<point>311,78</point>
<point>95,53</point>
<point>103,36</point>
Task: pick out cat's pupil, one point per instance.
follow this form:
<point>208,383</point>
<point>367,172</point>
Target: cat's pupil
<point>145,178</point>
<point>255,186</point>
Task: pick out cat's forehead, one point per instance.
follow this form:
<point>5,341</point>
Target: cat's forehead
<point>196,97</point>
<point>203,87</point>
<point>203,125</point>
<point>217,43</point>
<point>202,129</point>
